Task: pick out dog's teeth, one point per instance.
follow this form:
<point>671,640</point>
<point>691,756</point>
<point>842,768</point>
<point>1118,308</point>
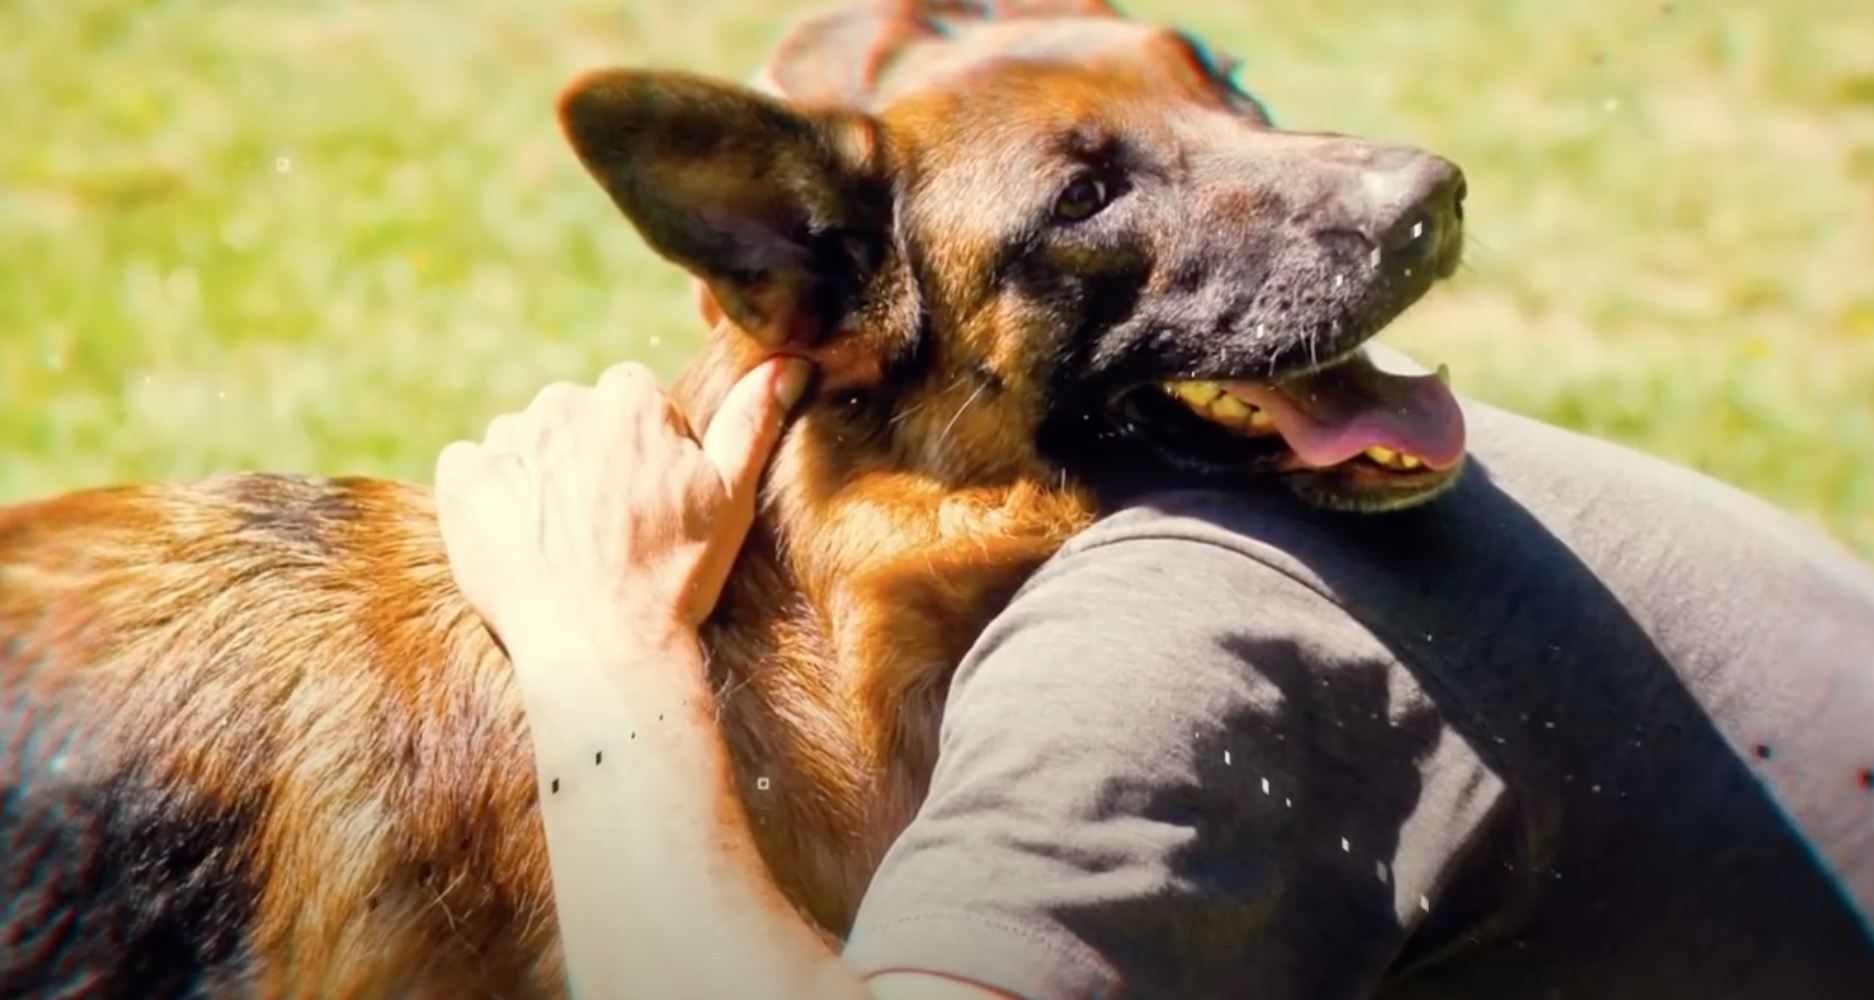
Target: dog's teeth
<point>1195,393</point>
<point>1230,408</point>
<point>1444,374</point>
<point>1210,401</point>
<point>1394,459</point>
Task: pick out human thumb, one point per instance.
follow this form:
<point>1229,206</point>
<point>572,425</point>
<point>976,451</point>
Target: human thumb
<point>742,435</point>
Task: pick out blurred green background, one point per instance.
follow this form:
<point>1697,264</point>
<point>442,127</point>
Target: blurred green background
<point>331,235</point>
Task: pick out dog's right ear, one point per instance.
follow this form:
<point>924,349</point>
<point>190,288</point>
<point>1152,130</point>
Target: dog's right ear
<point>782,213</point>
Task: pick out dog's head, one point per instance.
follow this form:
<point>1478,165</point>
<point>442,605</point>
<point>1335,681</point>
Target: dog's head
<point>1029,237</point>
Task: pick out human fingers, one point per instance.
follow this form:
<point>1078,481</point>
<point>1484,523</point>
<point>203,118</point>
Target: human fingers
<point>742,435</point>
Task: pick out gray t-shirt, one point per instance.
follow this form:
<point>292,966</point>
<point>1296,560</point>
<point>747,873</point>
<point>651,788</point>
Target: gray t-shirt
<point>1590,727</point>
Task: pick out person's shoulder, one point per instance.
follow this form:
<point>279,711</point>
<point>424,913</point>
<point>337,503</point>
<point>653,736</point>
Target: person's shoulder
<point>1202,544</point>
<point>1173,578</point>
<point>1183,547</point>
<point>1182,519</point>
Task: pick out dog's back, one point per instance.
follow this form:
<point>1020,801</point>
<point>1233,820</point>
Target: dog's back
<point>250,717</point>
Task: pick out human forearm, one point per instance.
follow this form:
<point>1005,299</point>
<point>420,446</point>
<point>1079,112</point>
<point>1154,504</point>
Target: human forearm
<point>638,804</point>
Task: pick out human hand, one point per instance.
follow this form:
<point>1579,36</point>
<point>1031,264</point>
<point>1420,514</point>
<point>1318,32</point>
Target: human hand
<point>597,503</point>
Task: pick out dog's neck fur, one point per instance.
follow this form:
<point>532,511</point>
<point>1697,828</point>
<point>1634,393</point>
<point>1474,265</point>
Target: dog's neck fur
<point>862,657</point>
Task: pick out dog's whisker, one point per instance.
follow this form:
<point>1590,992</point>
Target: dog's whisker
<point>944,435</point>
<point>902,415</point>
<point>1473,243</point>
<point>920,406</point>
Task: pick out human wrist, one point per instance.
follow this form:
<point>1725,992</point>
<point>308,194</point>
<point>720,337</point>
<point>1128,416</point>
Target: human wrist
<point>603,692</point>
<point>572,651</point>
<point>556,629</point>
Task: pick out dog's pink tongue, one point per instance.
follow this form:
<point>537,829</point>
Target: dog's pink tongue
<point>1330,417</point>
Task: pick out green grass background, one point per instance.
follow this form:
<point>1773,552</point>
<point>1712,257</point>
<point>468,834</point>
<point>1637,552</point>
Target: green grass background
<point>331,235</point>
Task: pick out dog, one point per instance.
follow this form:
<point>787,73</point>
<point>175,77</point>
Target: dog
<point>256,745</point>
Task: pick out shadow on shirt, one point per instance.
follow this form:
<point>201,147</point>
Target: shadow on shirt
<point>1633,853</point>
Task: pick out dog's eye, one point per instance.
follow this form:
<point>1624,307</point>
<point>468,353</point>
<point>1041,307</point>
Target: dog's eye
<point>1081,199</point>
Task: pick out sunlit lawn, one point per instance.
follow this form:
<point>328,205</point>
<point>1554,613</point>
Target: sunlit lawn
<point>329,236</point>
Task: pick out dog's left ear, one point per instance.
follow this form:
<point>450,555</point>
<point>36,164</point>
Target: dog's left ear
<point>783,214</point>
<point>837,56</point>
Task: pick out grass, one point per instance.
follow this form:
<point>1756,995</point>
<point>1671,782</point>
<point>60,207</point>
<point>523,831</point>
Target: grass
<point>330,235</point>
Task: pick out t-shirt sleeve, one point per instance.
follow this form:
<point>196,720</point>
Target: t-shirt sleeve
<point>1170,770</point>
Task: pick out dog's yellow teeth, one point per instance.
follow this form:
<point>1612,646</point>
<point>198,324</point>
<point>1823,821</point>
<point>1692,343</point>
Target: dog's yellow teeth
<point>1393,459</point>
<point>1230,408</point>
<point>1194,392</point>
<point>1444,374</point>
<point>1208,400</point>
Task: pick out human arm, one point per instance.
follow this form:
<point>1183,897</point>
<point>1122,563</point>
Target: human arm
<point>659,887</point>
<point>595,583</point>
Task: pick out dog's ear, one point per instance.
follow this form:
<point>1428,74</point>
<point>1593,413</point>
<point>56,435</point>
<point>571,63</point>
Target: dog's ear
<point>836,56</point>
<point>781,213</point>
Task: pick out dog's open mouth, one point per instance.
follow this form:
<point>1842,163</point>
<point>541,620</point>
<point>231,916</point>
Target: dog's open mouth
<point>1359,436</point>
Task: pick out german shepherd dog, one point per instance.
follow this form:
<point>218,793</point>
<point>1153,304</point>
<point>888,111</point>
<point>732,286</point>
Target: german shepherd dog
<point>254,744</point>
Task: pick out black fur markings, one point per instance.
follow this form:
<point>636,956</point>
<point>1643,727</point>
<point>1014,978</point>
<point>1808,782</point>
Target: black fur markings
<point>115,884</point>
<point>295,512</point>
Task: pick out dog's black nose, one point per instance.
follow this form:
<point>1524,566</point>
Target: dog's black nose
<point>1410,202</point>
<point>1403,203</point>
